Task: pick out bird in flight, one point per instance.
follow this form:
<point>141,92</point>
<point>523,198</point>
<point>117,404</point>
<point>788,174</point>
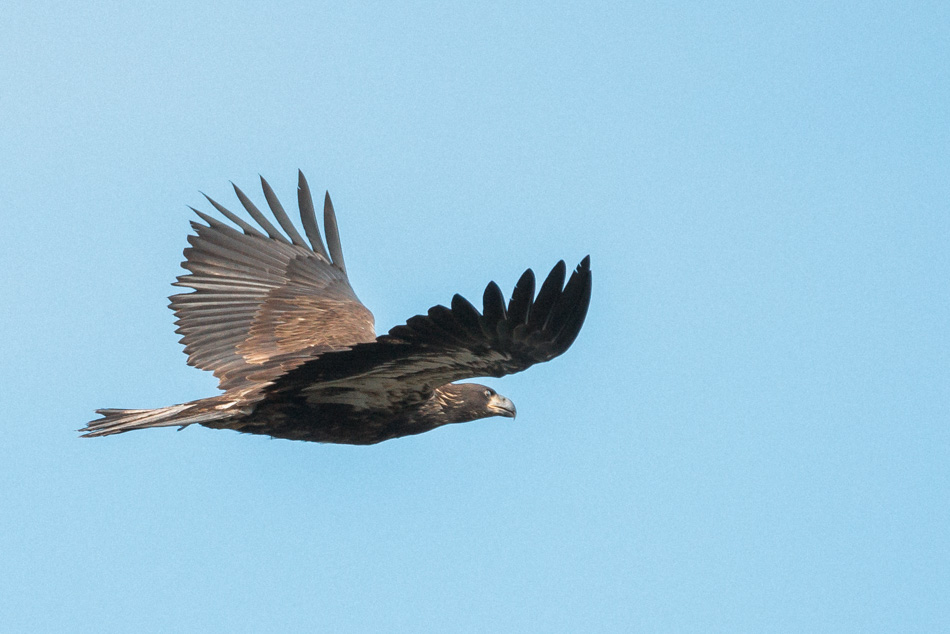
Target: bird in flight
<point>273,316</point>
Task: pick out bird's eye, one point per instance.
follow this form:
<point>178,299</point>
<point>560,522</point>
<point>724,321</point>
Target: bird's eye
<point>489,393</point>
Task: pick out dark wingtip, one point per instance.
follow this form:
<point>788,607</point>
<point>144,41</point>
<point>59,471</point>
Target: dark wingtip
<point>466,313</point>
<point>493,309</point>
<point>547,296</point>
<point>521,298</point>
<point>573,311</point>
<point>493,298</point>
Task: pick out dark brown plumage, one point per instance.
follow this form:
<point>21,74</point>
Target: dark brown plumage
<point>296,353</point>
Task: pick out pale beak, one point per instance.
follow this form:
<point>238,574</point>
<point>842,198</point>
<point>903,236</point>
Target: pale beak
<point>501,406</point>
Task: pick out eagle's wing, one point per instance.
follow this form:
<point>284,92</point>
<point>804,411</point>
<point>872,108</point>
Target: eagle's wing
<point>450,344</point>
<point>266,302</point>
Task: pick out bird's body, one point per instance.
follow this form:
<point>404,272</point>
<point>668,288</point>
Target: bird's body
<point>296,352</point>
<point>296,419</point>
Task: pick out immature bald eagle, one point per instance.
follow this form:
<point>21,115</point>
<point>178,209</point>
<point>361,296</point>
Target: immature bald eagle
<point>296,352</point>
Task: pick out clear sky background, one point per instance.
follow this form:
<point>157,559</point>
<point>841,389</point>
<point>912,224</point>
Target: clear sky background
<point>750,434</point>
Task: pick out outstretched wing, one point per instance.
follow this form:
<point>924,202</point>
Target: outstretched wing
<point>266,302</point>
<point>450,344</point>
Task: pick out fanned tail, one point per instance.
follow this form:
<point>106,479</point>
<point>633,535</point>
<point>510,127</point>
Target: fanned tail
<point>117,421</point>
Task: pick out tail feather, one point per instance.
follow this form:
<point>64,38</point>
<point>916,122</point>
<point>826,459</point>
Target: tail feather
<point>116,421</point>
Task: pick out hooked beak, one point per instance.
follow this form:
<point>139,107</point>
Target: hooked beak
<point>501,406</point>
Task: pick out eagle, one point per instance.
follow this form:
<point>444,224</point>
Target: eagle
<point>274,317</point>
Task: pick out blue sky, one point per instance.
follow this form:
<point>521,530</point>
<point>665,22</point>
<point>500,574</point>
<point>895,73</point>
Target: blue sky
<point>751,432</point>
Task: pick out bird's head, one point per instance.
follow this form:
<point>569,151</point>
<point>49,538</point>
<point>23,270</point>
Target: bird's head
<point>495,403</point>
<point>471,401</point>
